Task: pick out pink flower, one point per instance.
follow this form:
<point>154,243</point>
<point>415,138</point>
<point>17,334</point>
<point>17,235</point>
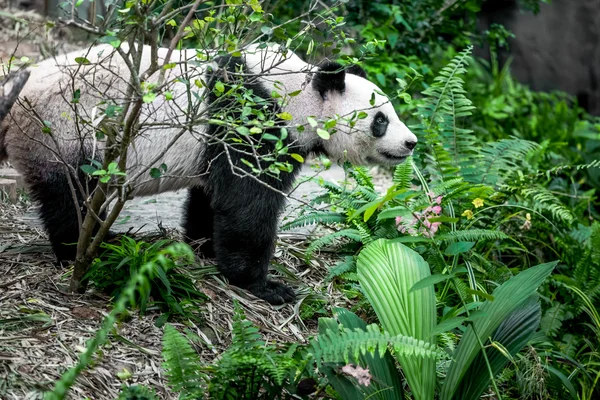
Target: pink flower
<point>398,220</point>
<point>439,200</point>
<point>363,376</point>
<point>436,209</point>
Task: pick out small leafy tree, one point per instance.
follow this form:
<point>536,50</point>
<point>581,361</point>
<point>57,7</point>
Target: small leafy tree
<point>108,112</point>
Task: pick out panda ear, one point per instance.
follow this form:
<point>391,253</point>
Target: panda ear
<point>331,76</point>
<point>356,69</point>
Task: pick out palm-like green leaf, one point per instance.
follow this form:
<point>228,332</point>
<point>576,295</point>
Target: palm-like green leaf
<point>513,333</point>
<point>507,298</point>
<point>386,272</point>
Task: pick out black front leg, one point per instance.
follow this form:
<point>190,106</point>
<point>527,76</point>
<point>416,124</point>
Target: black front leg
<point>245,228</point>
<point>198,223</point>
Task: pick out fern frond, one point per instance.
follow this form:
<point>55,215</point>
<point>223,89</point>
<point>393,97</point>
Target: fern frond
<point>244,334</point>
<point>545,200</point>
<point>346,344</point>
<point>181,363</point>
<point>317,217</point>
<point>403,174</point>
<point>361,176</point>
<point>500,160</point>
<point>473,235</point>
<point>348,265</point>
<point>449,148</point>
<point>366,235</point>
<point>351,234</point>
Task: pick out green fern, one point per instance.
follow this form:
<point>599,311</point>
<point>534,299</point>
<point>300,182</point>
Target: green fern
<point>500,161</point>
<point>181,364</point>
<point>352,234</point>
<point>317,217</point>
<point>473,235</point>
<point>403,174</point>
<point>341,268</point>
<point>449,148</point>
<point>137,392</point>
<point>244,335</point>
<point>346,345</point>
<point>545,200</point>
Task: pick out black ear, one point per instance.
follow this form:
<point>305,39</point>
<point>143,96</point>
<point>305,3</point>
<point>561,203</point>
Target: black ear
<point>330,76</point>
<point>356,69</point>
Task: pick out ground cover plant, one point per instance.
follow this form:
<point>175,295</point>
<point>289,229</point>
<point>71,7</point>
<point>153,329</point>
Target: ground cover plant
<point>472,270</point>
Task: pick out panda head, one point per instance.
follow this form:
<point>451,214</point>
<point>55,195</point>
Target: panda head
<point>380,138</point>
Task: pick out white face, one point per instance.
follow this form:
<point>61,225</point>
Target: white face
<point>380,138</point>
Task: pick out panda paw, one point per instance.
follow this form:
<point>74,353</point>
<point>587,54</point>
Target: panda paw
<point>274,292</point>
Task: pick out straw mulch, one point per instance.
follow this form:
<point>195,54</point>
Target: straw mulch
<point>43,328</point>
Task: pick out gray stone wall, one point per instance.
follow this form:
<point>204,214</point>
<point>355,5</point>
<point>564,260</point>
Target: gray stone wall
<point>557,49</point>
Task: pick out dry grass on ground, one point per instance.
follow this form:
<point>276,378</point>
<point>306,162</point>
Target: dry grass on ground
<point>43,328</point>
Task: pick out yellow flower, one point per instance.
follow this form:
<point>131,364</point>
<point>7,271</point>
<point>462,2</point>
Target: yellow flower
<point>468,214</point>
<point>478,202</point>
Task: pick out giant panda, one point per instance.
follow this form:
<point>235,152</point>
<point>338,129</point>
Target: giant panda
<point>234,216</point>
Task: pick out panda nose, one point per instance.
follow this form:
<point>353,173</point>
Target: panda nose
<point>410,144</point>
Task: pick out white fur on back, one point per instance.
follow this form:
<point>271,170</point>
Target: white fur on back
<point>49,89</point>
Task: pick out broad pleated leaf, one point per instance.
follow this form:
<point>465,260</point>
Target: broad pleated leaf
<point>386,272</point>
<point>513,333</point>
<point>507,298</point>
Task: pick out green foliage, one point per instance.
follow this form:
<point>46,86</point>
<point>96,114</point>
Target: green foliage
<point>137,392</point>
<point>248,369</point>
<point>348,345</point>
<point>181,364</point>
<point>385,383</point>
<point>139,283</point>
<point>170,287</point>
<point>506,299</point>
<point>386,272</point>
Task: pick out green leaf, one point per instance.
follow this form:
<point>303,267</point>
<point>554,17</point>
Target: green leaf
<point>76,96</point>
<point>430,281</point>
<point>386,272</point>
<point>294,93</point>
<point>169,66</point>
<point>323,134</point>
<point>386,383</point>
<point>155,173</point>
<point>507,299</point>
<point>88,169</point>
<point>82,61</point>
<point>242,130</point>
<point>112,40</point>
<point>458,248</point>
<point>449,324</point>
<point>313,122</point>
<point>297,157</point>
<point>219,87</point>
<point>286,116</point>
<point>513,333</point>
<point>149,97</point>
<point>369,211</point>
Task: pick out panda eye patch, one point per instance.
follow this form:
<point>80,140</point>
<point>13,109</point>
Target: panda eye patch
<point>379,124</point>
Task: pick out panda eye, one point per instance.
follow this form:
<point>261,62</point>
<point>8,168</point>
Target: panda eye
<point>380,120</point>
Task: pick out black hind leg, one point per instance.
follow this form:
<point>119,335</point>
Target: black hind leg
<point>50,188</point>
<point>57,210</point>
<point>198,223</point>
